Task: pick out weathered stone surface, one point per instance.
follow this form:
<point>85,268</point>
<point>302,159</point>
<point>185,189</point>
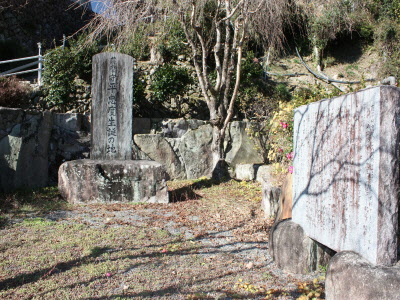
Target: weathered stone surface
<point>240,147</point>
<point>265,174</point>
<point>295,252</point>
<point>346,168</point>
<point>246,171</point>
<point>270,200</point>
<point>176,128</point>
<point>195,151</point>
<point>71,122</point>
<point>157,148</point>
<point>70,140</point>
<point>24,143</point>
<point>270,192</point>
<point>100,181</point>
<point>112,94</point>
<point>350,276</point>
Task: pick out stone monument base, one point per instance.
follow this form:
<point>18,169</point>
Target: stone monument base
<point>293,251</point>
<point>350,276</point>
<point>105,181</point>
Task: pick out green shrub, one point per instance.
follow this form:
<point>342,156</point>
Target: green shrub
<point>280,137</point>
<point>252,87</point>
<point>138,47</point>
<point>170,81</point>
<point>173,43</point>
<point>62,66</point>
<point>14,93</point>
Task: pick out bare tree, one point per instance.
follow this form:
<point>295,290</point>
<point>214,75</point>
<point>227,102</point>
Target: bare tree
<point>217,32</point>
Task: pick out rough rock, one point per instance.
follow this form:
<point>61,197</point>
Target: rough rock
<point>270,192</point>
<point>295,252</point>
<point>158,149</point>
<point>71,122</point>
<point>195,150</point>
<point>246,171</point>
<point>100,181</point>
<point>240,147</point>
<point>350,276</point>
<point>24,141</point>
<point>176,128</point>
<point>265,174</point>
<point>270,200</point>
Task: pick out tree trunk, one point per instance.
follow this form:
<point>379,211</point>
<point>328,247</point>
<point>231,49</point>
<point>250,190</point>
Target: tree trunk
<point>318,58</point>
<point>220,166</point>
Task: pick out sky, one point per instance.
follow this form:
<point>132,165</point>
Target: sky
<point>97,6</point>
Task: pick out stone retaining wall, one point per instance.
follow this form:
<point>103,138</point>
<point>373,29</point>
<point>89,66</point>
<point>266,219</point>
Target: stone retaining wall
<point>34,144</point>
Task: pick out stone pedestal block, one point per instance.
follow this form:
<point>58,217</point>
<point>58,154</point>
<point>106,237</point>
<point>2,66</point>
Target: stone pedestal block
<point>350,276</point>
<point>295,252</point>
<point>100,181</point>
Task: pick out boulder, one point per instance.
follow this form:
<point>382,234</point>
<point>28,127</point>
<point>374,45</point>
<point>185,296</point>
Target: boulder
<point>101,181</point>
<point>350,276</point>
<point>69,121</point>
<point>240,147</point>
<point>270,200</point>
<point>176,128</point>
<point>195,151</point>
<point>158,148</point>
<point>24,141</point>
<point>246,171</point>
<point>270,192</point>
<point>265,174</point>
<point>294,252</point>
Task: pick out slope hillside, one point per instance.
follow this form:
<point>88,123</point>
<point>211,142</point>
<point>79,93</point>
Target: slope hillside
<point>349,63</point>
<point>24,23</point>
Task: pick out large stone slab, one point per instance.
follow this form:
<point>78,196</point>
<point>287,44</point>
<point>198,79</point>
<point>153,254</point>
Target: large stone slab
<point>112,92</point>
<point>101,181</point>
<point>350,276</point>
<point>346,172</point>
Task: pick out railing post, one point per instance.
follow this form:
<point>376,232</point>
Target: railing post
<point>40,66</point>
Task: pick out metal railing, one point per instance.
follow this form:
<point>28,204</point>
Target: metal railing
<point>17,71</point>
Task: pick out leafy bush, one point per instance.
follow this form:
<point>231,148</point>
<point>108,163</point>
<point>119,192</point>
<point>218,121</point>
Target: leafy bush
<point>387,38</point>
<point>252,87</point>
<point>14,93</point>
<point>170,82</point>
<point>281,127</point>
<point>62,66</point>
<point>173,43</point>
<point>138,47</point>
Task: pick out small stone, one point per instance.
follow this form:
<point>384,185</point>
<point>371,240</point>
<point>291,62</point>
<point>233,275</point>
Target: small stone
<point>249,265</point>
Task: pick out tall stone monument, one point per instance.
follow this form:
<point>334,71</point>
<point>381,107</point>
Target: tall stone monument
<point>110,175</point>
<point>112,106</point>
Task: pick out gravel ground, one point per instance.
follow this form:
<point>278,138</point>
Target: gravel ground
<point>196,249</point>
